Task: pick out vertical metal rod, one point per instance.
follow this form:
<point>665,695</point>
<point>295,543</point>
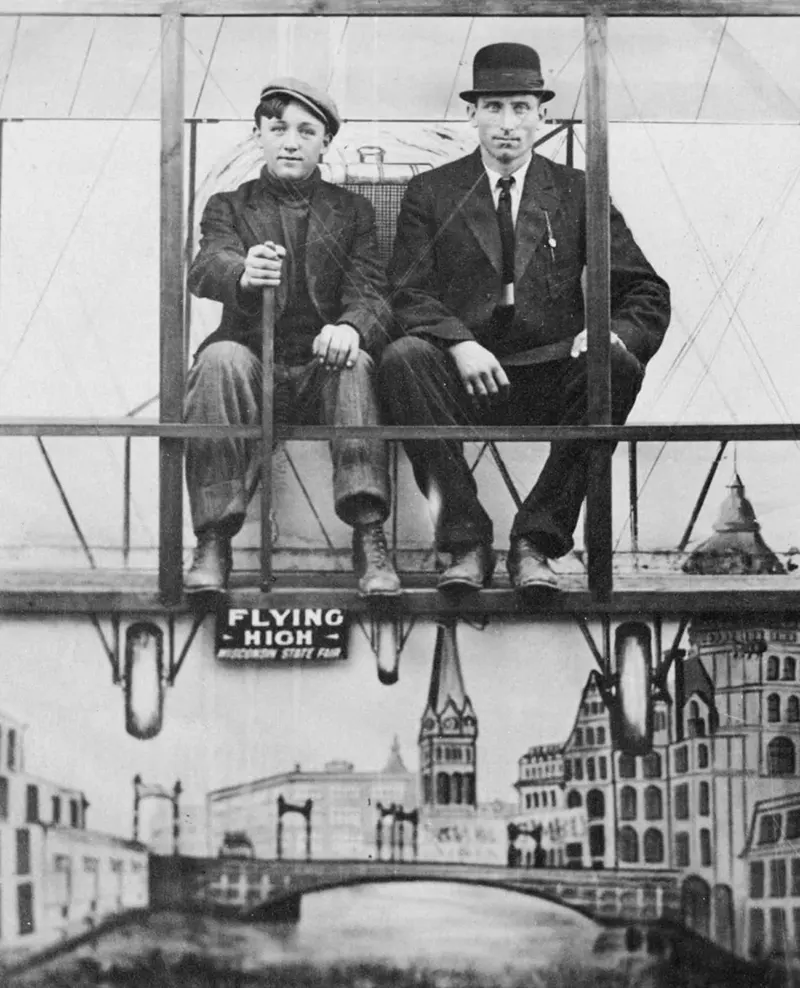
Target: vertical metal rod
<point>570,144</point>
<point>394,459</point>
<point>190,214</point>
<point>701,499</point>
<point>126,503</point>
<point>267,432</point>
<point>633,498</point>
<point>172,364</point>
<point>598,307</point>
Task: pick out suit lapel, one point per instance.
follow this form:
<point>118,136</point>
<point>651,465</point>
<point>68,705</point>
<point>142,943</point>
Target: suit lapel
<point>476,206</point>
<point>323,244</point>
<point>539,194</point>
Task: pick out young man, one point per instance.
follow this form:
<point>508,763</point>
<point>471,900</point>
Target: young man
<point>486,280</point>
<point>316,245</point>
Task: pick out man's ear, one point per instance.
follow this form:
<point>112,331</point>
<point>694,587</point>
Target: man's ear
<point>471,109</point>
<point>326,141</point>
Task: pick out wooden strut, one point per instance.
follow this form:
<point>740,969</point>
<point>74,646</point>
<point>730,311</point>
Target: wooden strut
<point>401,8</point>
<point>267,432</point>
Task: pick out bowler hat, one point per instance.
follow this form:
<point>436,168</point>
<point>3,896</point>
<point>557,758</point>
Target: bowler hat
<point>320,104</point>
<point>506,68</point>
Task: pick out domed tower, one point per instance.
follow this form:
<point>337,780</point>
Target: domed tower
<point>449,730</point>
<point>736,547</point>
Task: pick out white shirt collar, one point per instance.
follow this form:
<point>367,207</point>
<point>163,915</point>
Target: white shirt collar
<point>518,176</point>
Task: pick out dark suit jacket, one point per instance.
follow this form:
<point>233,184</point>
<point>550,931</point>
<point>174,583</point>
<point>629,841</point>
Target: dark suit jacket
<point>445,272</point>
<point>344,275</point>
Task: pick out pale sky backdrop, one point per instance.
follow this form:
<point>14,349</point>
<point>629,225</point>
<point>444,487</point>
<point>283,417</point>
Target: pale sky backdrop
<point>704,153</point>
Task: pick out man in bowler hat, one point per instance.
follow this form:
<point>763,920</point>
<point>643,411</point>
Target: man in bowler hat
<point>486,283</point>
<point>315,244</point>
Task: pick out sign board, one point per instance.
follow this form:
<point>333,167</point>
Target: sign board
<point>282,634</point>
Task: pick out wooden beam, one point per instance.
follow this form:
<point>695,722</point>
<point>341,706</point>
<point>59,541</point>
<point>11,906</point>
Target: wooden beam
<point>172,360</point>
<point>598,306</point>
<point>400,8</point>
<point>642,433</point>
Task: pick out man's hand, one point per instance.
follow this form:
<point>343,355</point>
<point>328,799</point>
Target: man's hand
<point>479,369</point>
<point>336,346</point>
<point>262,266</point>
<point>580,343</point>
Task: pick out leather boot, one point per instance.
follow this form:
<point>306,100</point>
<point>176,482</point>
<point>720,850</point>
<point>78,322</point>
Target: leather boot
<point>471,568</point>
<point>529,568</point>
<point>371,562</point>
<point>211,563</point>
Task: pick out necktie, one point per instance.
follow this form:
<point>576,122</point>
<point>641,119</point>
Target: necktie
<point>506,223</point>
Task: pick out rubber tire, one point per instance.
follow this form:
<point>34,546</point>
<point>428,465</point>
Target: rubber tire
<point>387,652</point>
<point>144,684</point>
<point>632,716</point>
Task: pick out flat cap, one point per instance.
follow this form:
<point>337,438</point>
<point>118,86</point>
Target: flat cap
<point>320,104</point>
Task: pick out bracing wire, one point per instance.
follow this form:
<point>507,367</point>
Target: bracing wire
<point>11,56</point>
<point>711,68</point>
<point>86,55</point>
<point>207,69</point>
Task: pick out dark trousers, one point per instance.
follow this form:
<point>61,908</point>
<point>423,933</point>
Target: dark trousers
<point>419,385</point>
<point>224,387</point>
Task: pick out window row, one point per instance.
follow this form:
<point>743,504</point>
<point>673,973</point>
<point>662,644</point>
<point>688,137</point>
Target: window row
<point>681,758</point>
<point>452,789</point>
<point>593,707</point>
<point>535,800</point>
<point>590,736</point>
<point>683,804</point>
<point>774,668</point>
<point>651,766</point>
<point>792,709</point>
<point>778,886</point>
<point>653,847</point>
<point>453,753</point>
<point>595,769</point>
<point>758,942</point>
<point>770,827</point>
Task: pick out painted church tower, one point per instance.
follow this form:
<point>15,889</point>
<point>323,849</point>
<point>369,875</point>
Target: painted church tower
<point>448,731</point>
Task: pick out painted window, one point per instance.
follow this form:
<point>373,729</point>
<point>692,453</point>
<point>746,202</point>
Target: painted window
<point>793,710</point>
<point>653,846</point>
<point>704,802</point>
<point>651,765</point>
<point>682,759</point>
<point>682,802</point>
<point>627,803</point>
<point>780,757</point>
<point>788,667</point>
<point>627,767</point>
<point>773,667</point>
<point>595,804</point>
<point>769,831</point>
<point>653,803</point>
<point>777,878</point>
<point>705,847</point>
<point>573,799</point>
<point>628,845</point>
<point>756,879</point>
<point>773,708</point>
<point>682,856</point>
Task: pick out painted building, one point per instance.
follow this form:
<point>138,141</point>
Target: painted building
<point>56,876</point>
<point>728,740</point>
<point>343,812</point>
<point>772,859</point>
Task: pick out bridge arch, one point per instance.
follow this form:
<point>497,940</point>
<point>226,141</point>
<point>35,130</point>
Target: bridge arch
<point>285,903</point>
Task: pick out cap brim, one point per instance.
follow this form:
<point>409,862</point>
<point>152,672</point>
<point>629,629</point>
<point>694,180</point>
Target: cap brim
<point>318,112</point>
<point>471,95</point>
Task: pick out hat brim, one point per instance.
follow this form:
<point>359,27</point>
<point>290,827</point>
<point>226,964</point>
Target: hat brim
<point>471,95</point>
<point>331,124</point>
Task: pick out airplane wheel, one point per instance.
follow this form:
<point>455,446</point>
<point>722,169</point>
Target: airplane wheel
<point>387,652</point>
<point>144,681</point>
<point>632,717</point>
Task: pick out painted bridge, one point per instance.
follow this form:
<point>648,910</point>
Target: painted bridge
<point>272,889</point>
